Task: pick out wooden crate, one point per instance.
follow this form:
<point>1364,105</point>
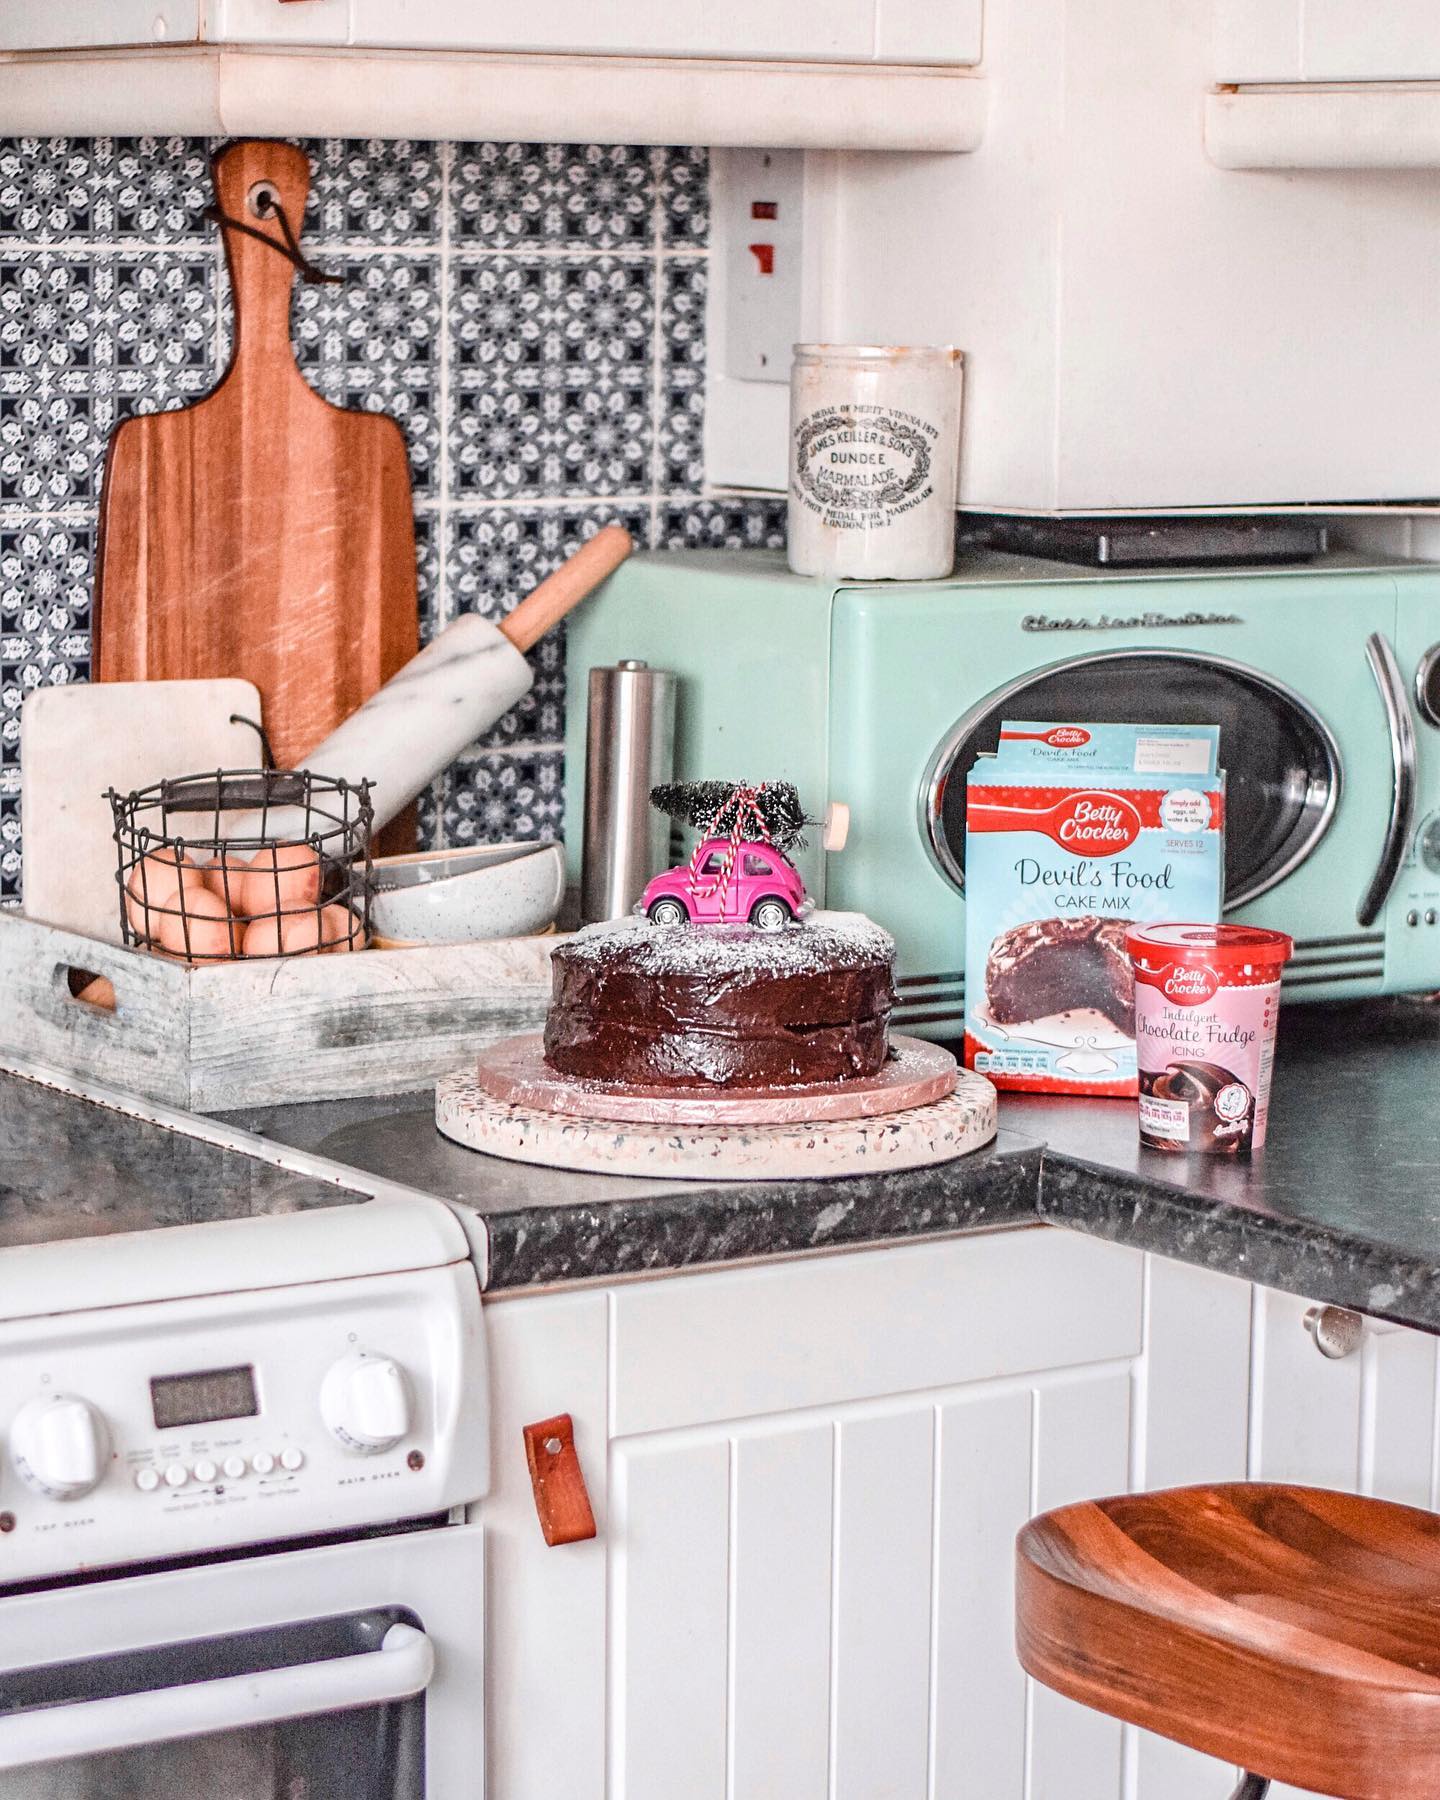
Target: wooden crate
<point>244,1033</point>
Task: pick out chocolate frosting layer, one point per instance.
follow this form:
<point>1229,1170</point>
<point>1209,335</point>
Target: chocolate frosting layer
<point>706,1006</point>
<point>1049,966</point>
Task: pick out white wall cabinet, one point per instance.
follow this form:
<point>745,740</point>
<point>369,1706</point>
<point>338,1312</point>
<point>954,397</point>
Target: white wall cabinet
<point>842,31</point>
<point>1327,40</point>
<point>73,24</point>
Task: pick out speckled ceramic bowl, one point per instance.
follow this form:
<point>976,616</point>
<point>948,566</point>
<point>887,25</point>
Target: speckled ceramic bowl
<point>457,896</point>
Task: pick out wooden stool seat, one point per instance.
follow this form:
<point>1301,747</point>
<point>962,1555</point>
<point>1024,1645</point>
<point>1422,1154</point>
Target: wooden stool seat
<point>1292,1631</point>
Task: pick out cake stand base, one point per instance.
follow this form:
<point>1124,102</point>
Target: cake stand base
<point>933,1133</point>
<point>916,1073</point>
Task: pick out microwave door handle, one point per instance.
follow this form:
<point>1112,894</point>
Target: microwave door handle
<point>1386,671</point>
<point>402,1666</point>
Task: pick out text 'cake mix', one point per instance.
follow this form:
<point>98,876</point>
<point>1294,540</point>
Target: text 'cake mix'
<point>1073,835</point>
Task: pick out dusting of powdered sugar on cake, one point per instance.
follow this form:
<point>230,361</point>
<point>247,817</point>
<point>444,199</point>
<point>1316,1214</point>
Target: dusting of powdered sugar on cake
<point>813,947</point>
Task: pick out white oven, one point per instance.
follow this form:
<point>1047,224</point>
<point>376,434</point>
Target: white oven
<point>345,1671</point>
<point>244,1403</point>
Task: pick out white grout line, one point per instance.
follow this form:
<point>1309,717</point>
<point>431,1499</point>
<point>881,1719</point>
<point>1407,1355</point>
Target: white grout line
<point>657,339</point>
<point>17,250</point>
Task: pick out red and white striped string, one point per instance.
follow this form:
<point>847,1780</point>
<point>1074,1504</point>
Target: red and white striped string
<point>745,822</point>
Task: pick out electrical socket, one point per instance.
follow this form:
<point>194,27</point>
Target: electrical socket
<point>762,231</point>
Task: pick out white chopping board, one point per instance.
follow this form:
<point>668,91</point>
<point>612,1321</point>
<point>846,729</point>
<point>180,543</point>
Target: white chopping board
<point>75,742</point>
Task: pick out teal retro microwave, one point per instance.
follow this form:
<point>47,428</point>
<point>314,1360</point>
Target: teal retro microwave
<point>1324,680</point>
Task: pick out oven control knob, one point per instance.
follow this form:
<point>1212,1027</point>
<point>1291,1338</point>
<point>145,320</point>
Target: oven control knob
<point>60,1446</point>
<point>365,1402</point>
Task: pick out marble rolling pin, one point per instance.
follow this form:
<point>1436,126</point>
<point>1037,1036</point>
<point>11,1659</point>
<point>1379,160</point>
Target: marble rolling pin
<point>415,726</point>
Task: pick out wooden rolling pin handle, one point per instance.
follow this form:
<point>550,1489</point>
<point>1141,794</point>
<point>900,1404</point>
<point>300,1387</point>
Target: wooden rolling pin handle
<point>537,613</point>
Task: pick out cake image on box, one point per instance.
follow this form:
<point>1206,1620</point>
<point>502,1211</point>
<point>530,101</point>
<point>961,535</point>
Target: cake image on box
<point>1075,833</point>
<point>1048,966</point>
<point>717,1006</point>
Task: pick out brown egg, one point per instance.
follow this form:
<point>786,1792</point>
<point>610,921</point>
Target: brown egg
<point>283,879</point>
<point>225,876</point>
<point>263,937</point>
<point>206,932</point>
<point>340,931</point>
<point>300,933</point>
<point>153,882</point>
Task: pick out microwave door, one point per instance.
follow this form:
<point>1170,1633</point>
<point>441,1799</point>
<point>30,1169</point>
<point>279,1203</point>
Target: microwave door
<point>1282,763</point>
<point>325,1710</point>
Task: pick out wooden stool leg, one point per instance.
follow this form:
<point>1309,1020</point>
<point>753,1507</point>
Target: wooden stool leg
<point>1252,1787</point>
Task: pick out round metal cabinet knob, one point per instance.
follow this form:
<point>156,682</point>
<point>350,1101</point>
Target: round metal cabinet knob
<point>1337,1331</point>
<point>60,1446</point>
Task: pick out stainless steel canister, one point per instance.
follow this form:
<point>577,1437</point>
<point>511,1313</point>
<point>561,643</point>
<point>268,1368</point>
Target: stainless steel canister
<point>629,747</point>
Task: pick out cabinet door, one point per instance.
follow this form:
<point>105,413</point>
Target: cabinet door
<point>1384,40</point>
<point>1326,40</point>
<point>823,1605</point>
<point>545,1608</point>
<point>1362,1423</point>
<point>841,30</point>
<point>82,24</point>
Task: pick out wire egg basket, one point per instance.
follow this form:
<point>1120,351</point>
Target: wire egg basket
<point>298,883</point>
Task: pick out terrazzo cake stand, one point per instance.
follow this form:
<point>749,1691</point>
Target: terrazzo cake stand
<point>921,1109</point>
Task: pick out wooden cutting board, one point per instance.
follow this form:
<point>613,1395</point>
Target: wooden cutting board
<point>261,533</point>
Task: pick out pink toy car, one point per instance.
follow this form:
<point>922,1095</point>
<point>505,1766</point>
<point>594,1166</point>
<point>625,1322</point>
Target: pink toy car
<point>763,888</point>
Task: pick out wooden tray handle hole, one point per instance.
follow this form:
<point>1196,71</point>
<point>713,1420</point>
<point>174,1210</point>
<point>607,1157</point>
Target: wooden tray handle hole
<point>86,987</point>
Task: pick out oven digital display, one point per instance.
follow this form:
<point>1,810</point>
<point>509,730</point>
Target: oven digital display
<point>203,1398</point>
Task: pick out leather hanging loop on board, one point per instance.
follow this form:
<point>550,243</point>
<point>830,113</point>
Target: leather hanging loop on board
<point>267,206</point>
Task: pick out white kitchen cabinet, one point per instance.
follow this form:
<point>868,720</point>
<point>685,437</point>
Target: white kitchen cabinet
<point>69,24</point>
<point>854,31</point>
<point>1327,40</point>
<point>808,1477</point>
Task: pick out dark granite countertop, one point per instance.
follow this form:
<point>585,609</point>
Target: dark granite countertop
<point>1342,1206</point>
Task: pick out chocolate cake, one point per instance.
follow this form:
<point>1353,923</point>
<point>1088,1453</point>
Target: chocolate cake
<point>714,1006</point>
<point>1050,966</point>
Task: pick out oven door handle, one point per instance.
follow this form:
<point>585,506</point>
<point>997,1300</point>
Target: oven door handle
<point>1401,729</point>
<point>403,1665</point>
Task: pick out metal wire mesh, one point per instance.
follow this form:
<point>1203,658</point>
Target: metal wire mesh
<point>296,880</point>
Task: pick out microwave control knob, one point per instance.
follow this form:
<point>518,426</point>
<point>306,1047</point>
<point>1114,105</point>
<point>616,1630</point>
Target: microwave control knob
<point>60,1446</point>
<point>365,1402</point>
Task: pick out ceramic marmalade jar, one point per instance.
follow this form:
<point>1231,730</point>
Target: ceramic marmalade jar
<point>874,456</point>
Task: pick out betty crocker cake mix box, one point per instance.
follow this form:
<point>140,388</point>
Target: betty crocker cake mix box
<point>1074,833</point>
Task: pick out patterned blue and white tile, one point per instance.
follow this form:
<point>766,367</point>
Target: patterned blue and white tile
<point>552,365</point>
<point>681,387</point>
<point>11,853</point>
<point>153,189</point>
<point>563,196</point>
<point>86,340</point>
<point>753,523</point>
<point>373,191</point>
<point>495,798</point>
<point>684,198</point>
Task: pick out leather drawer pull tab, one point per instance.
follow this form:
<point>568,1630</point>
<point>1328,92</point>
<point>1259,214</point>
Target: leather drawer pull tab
<point>555,1474</point>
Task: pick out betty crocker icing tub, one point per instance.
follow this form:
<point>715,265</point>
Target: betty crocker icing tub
<point>1206,1000</point>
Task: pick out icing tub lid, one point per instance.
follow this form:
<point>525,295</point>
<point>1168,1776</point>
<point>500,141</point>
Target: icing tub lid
<point>1220,947</point>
